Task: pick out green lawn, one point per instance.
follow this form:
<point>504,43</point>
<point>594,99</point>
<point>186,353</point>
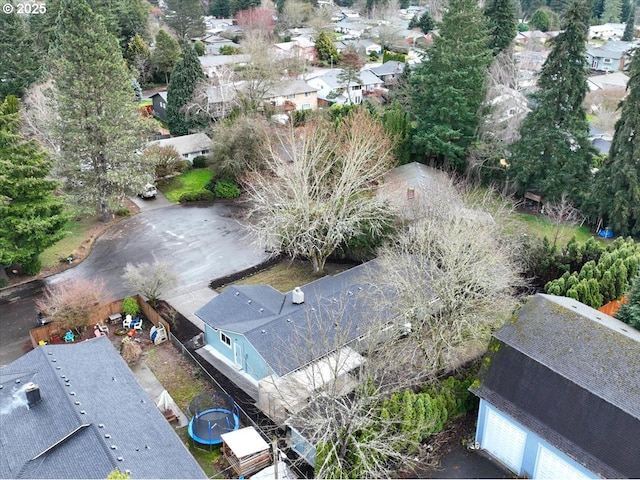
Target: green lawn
<point>76,230</point>
<point>542,227</point>
<point>208,460</point>
<point>287,275</point>
<point>191,181</point>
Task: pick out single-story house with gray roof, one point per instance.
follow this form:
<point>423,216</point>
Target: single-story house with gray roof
<point>77,411</point>
<point>189,146</point>
<point>333,90</point>
<point>389,71</point>
<point>560,393</point>
<point>298,341</point>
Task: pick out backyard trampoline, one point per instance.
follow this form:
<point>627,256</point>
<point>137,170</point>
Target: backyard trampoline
<point>210,415</point>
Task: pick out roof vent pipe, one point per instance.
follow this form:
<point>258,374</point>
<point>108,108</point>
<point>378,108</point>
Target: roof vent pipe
<point>32,392</point>
<point>297,297</point>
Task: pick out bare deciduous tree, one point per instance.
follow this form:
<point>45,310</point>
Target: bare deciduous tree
<point>561,214</point>
<point>38,115</point>
<point>72,304</point>
<point>317,190</point>
<point>452,274</point>
<point>260,74</point>
<point>151,279</point>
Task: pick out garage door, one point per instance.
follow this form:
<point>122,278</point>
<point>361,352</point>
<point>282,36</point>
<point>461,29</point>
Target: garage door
<point>504,441</point>
<point>549,465</point>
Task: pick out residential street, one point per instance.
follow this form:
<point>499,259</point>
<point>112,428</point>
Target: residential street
<point>203,242</point>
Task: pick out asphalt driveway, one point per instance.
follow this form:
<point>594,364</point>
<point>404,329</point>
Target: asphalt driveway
<point>201,242</point>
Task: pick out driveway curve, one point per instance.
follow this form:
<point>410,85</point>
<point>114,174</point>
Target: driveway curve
<point>202,242</point>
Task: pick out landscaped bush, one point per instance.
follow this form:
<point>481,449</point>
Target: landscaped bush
<point>32,266</point>
<point>3,282</point>
<point>198,196</point>
<point>227,189</point>
<point>123,212</point>
<point>130,306</point>
<point>200,162</point>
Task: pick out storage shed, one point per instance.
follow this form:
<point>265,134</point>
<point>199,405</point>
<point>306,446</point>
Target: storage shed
<point>246,451</point>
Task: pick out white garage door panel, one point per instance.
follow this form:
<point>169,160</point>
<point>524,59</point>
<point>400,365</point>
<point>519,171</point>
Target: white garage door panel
<point>550,466</point>
<point>504,441</point>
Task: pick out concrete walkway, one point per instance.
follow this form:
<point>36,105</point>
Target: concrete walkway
<point>154,388</point>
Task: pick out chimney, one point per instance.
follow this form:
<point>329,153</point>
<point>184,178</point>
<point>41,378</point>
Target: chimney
<point>297,297</point>
<point>32,391</point>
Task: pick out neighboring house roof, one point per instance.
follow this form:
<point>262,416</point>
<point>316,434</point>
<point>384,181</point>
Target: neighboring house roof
<point>93,417</point>
<point>570,374</point>
<point>608,80</point>
<point>212,61</point>
<point>291,87</point>
<point>280,330</point>
<point>330,78</point>
<point>195,142</point>
<point>162,95</point>
<point>614,49</point>
<point>602,145</point>
<point>388,68</point>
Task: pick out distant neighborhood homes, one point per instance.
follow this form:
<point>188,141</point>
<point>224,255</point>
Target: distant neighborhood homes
<point>388,72</point>
<point>608,31</point>
<point>559,394</point>
<point>332,89</point>
<point>610,57</point>
<point>189,146</point>
<point>300,47</point>
<point>210,63</point>
<point>608,81</point>
<point>213,43</point>
<point>293,95</point>
<point>292,345</point>
<point>77,411</point>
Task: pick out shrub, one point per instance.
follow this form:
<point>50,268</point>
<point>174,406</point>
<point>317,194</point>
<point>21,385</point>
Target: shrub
<point>3,282</point>
<point>200,195</point>
<point>227,189</point>
<point>200,162</point>
<point>32,266</point>
<point>123,212</point>
<point>130,351</point>
<point>130,306</point>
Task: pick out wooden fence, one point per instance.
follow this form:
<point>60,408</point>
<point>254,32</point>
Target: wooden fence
<point>52,331</point>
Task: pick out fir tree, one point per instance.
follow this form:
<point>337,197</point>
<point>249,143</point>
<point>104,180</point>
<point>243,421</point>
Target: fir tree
<point>325,48</point>
<point>597,9</point>
<point>186,18</point>
<point>612,11</point>
<point>185,77</point>
<point>629,312</point>
<point>98,129</point>
<point>449,85</point>
<point>31,217</point>
<point>627,36</point>
<point>166,54</point>
<point>618,183</point>
<point>19,61</point>
<point>554,154</point>
<point>220,8</point>
<point>503,23</point>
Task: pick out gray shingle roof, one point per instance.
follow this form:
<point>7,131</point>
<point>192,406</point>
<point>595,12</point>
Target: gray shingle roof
<point>86,388</point>
<point>572,375</point>
<point>388,68</point>
<point>185,144</point>
<point>281,328</point>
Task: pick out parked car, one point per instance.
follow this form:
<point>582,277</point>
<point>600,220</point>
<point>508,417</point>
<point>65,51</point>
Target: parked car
<point>42,319</point>
<point>149,191</point>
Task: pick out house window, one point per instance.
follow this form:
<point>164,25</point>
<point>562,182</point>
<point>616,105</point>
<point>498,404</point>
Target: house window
<point>306,106</point>
<point>163,105</point>
<point>225,339</point>
<point>204,152</point>
<point>307,94</point>
<point>607,60</point>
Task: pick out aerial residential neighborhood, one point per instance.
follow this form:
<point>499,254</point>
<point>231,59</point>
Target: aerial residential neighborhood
<point>319,239</point>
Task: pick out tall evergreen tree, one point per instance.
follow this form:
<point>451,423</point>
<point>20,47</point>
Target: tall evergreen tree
<point>554,154</point>
<point>617,188</point>
<point>325,48</point>
<point>19,61</point>
<point>629,312</point>
<point>186,18</point>
<point>166,54</point>
<point>186,75</point>
<point>627,36</point>
<point>220,8</point>
<point>99,130</point>
<point>503,23</point>
<point>612,11</point>
<point>31,217</point>
<point>597,9</point>
<point>449,85</point>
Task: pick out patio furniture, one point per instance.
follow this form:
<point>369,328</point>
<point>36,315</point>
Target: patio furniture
<point>126,323</point>
<point>103,328</point>
<point>69,336</point>
<point>115,318</point>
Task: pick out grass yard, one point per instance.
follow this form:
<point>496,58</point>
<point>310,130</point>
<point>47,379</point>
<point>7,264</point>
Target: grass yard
<point>192,181</point>
<point>208,460</point>
<point>287,275</point>
<point>542,227</point>
<point>77,231</point>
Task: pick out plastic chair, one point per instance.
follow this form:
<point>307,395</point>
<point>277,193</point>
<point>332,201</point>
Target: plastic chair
<point>137,323</point>
<point>103,328</point>
<point>126,323</point>
<point>69,337</point>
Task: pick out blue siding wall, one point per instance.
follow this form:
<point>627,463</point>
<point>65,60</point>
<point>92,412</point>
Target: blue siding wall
<point>252,362</point>
<point>532,444</point>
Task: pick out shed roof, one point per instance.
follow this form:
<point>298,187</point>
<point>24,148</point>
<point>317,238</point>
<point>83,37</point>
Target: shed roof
<point>244,442</point>
<point>571,374</point>
<point>93,413</point>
